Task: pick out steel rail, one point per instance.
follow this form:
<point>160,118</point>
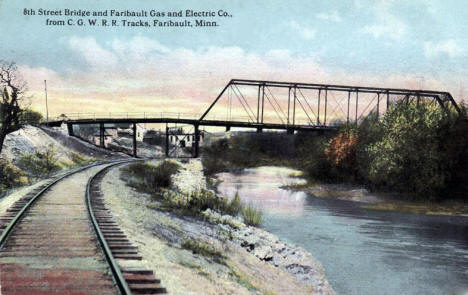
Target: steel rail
<point>115,269</point>
<point>6,232</point>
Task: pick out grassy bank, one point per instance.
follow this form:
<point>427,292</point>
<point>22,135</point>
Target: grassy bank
<point>418,151</point>
<point>156,180</point>
<point>32,167</point>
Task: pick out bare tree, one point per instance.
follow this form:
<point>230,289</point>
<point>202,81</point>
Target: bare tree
<point>12,88</point>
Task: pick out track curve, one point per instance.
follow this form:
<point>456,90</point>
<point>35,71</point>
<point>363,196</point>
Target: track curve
<point>134,279</point>
<point>53,241</point>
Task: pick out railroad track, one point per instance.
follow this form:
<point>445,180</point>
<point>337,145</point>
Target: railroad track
<point>61,239</point>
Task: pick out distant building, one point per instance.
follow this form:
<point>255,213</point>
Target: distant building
<point>128,132</point>
<point>186,140</point>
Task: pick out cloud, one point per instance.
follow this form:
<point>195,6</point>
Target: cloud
<point>448,48</point>
<point>140,47</point>
<point>388,25</point>
<point>146,76</point>
<point>332,16</point>
<point>304,32</point>
<point>141,74</point>
<point>92,52</point>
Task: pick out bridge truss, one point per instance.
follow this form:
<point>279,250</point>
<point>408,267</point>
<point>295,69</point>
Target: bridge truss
<point>295,105</point>
<point>286,106</point>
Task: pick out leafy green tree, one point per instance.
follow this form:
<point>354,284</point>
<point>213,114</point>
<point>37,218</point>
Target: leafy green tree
<point>409,157</point>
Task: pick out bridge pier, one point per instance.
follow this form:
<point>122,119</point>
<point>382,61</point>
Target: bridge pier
<point>228,128</point>
<point>290,131</point>
<point>70,129</point>
<point>259,129</point>
<point>167,141</point>
<point>197,141</point>
<point>101,135</point>
<point>134,140</point>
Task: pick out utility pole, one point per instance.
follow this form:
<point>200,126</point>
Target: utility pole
<point>47,107</point>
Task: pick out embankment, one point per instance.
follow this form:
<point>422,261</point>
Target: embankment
<point>194,256</point>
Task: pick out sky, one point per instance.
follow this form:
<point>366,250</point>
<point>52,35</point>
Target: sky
<point>417,44</point>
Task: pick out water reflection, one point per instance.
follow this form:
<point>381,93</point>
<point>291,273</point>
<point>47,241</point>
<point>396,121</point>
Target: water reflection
<point>268,196</point>
<point>363,251</point>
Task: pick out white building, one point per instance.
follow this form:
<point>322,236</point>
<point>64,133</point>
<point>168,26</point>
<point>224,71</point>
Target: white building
<point>185,140</point>
<point>128,133</point>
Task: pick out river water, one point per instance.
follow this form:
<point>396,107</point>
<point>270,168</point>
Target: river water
<point>363,251</point>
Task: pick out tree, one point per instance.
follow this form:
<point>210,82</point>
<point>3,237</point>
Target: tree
<point>12,88</point>
<point>410,156</point>
<point>29,116</point>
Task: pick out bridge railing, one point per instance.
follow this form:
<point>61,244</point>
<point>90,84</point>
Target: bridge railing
<point>175,115</point>
<point>124,115</point>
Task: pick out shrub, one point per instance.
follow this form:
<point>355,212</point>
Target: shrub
<point>200,201</point>
<point>148,177</point>
<point>340,152</point>
<point>213,164</point>
<point>10,176</point>
<point>40,163</point>
<point>80,160</point>
<point>252,216</point>
<point>313,159</point>
<point>201,248</point>
<point>163,173</point>
<point>234,206</point>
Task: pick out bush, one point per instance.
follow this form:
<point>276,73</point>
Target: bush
<point>10,176</point>
<point>201,248</point>
<point>40,163</point>
<point>252,216</point>
<point>200,202</point>
<point>150,178</point>
<point>234,206</point>
<point>80,160</point>
<point>164,171</point>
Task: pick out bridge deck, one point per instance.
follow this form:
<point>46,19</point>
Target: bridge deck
<point>214,123</point>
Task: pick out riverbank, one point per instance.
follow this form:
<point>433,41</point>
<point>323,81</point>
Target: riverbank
<point>219,255</point>
<point>380,200</point>
<point>364,252</point>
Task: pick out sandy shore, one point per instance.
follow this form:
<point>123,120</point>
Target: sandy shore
<point>382,201</point>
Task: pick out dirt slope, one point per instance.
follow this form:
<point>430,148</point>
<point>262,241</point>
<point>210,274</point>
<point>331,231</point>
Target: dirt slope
<point>30,138</point>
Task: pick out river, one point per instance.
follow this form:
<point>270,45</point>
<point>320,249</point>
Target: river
<point>363,251</point>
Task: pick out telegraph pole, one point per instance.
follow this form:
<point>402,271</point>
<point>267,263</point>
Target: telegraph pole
<point>47,107</point>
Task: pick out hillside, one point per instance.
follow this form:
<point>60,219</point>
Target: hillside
<point>31,138</point>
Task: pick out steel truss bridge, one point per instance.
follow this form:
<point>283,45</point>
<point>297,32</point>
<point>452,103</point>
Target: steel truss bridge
<point>275,105</point>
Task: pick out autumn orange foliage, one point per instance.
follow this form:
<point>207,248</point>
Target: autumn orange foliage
<point>341,149</point>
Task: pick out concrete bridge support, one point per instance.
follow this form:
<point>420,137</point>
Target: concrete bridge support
<point>197,141</point>
<point>167,141</point>
<point>102,131</point>
<point>70,129</point>
<point>134,137</point>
